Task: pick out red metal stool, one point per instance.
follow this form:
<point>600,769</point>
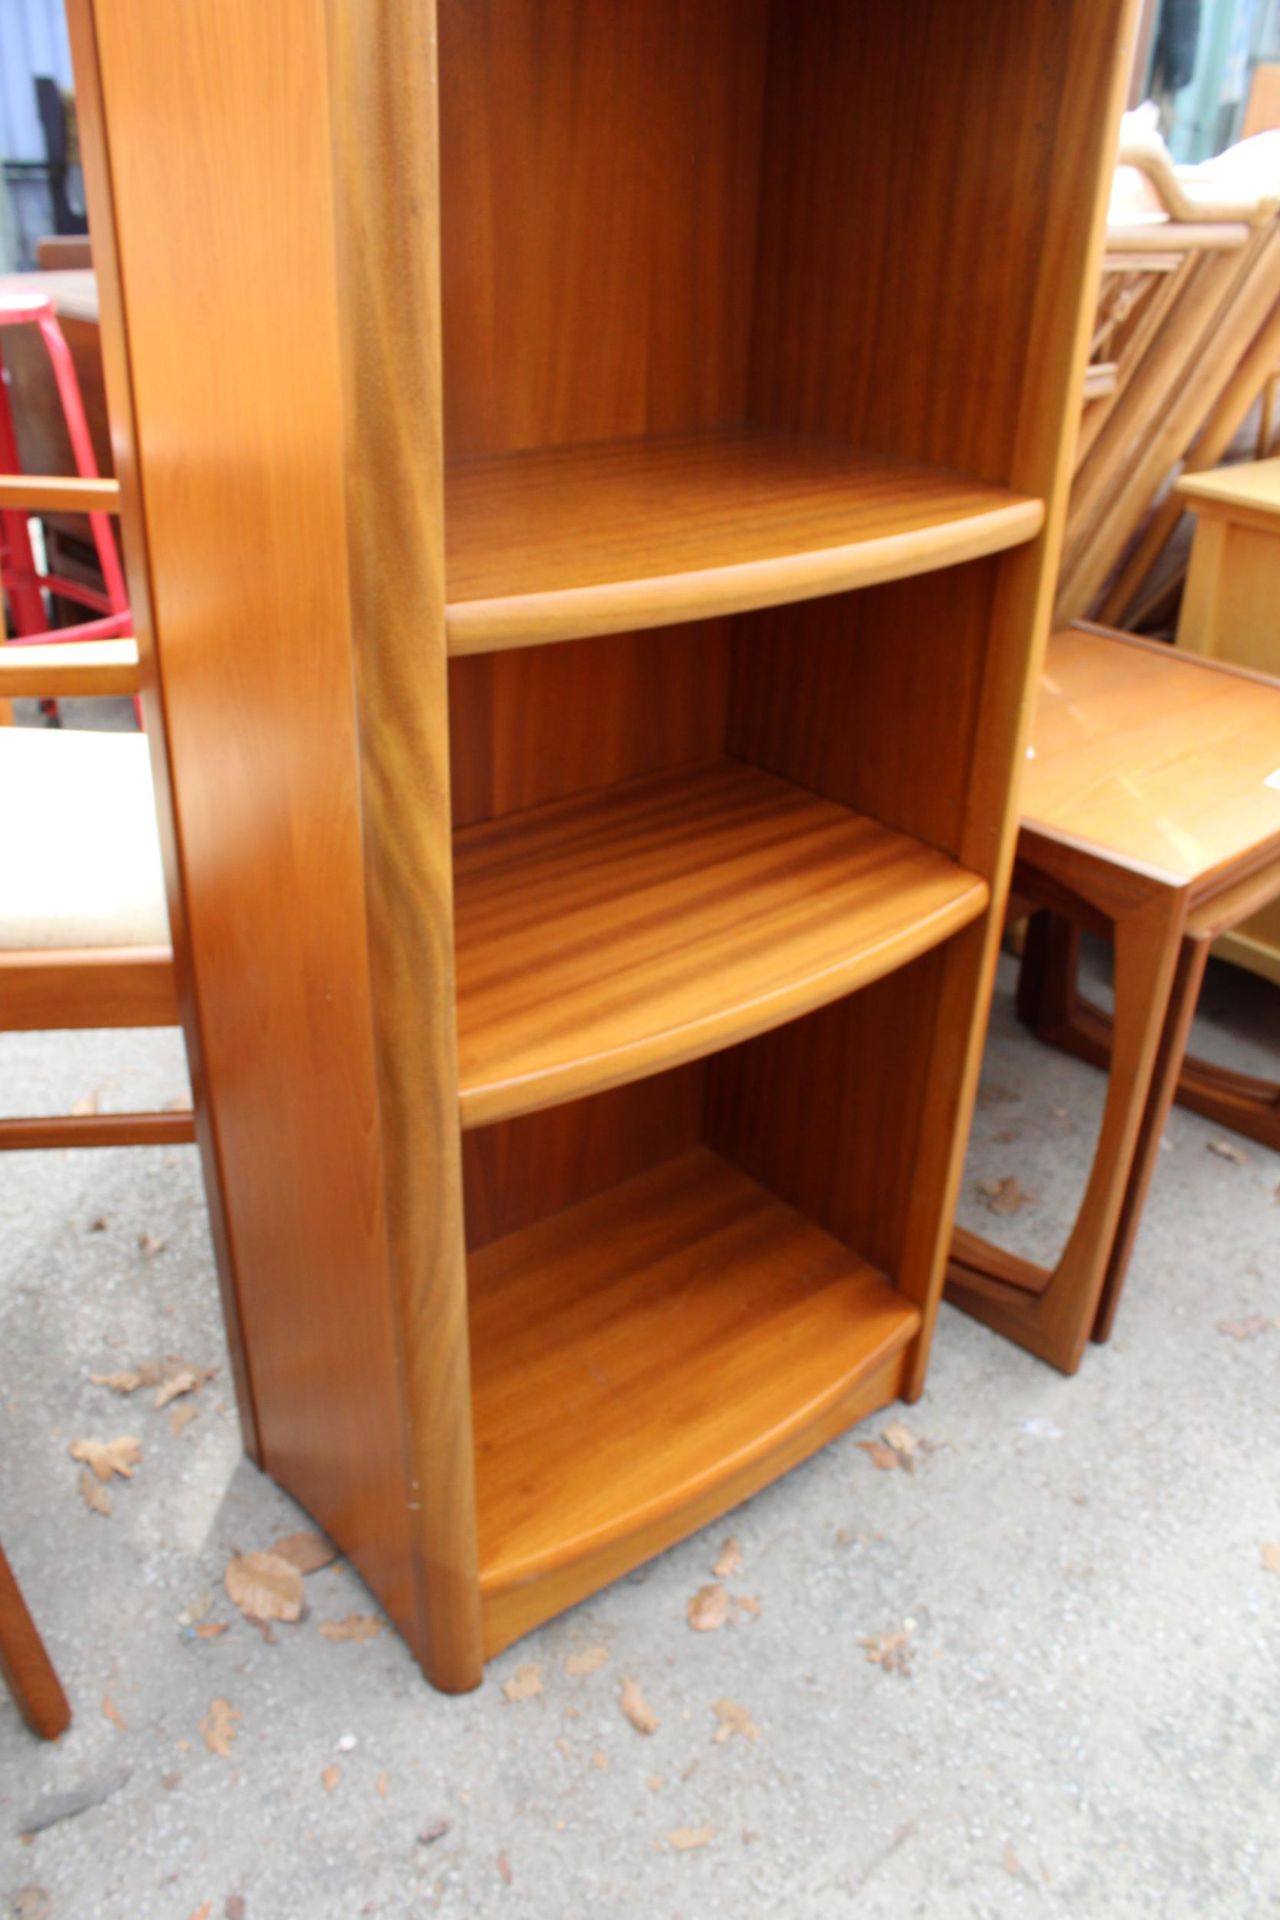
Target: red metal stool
<point>23,583</point>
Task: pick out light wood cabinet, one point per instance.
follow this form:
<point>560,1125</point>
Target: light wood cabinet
<point>595,471</point>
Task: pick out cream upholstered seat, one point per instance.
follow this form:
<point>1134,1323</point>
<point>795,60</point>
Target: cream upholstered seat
<point>79,851</point>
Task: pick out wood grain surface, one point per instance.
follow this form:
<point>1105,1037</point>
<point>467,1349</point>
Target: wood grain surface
<point>623,932</point>
<point>548,545</point>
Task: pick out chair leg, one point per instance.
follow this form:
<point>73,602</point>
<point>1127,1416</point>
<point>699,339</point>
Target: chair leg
<point>24,1664</point>
<point>1052,1311</point>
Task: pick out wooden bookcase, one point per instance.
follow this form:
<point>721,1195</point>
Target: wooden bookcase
<point>593,473</point>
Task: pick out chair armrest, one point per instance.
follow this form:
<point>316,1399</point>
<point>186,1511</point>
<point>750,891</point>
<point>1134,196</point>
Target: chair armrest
<point>53,670</point>
<point>57,493</point>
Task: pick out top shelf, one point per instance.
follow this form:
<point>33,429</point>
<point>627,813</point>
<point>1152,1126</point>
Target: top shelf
<point>585,540</point>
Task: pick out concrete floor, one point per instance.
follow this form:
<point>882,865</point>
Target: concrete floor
<point>1088,1725</point>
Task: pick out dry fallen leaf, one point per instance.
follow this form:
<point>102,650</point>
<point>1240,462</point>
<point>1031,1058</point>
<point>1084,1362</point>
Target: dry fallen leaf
<point>1247,1329</point>
<point>590,1660</point>
<point>307,1551</point>
<point>113,1713</point>
<point>1271,1556</point>
<point>203,1912</point>
<point>1006,1196</point>
<point>891,1651</point>
<point>684,1839</point>
<point>504,1868</point>
<point>186,1380</point>
<point>708,1609</point>
<point>210,1629</point>
<point>264,1587</point>
<point>886,1459</point>
<point>95,1497</point>
<point>149,1245</point>
<point>108,1457</point>
<point>730,1560</point>
<point>32,1903</point>
<point>86,1104</point>
<point>99,1225</point>
<point>180,1419</point>
<point>637,1708</point>
<point>127,1382</point>
<point>353,1626</point>
<point>733,1719</point>
<point>746,1604</point>
<point>1228,1150</point>
<point>235,1907</point>
<point>219,1727</point>
<point>433,1831</point>
<point>330,1777</point>
<point>524,1682</point>
<point>656,1782</point>
<point>900,1437</point>
<point>600,1760</point>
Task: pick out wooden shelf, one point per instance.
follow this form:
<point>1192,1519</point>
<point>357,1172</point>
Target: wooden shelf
<point>629,929</point>
<point>650,1346</point>
<point>643,533</point>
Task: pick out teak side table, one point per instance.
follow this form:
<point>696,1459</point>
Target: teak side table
<point>594,473</point>
<point>1150,814</point>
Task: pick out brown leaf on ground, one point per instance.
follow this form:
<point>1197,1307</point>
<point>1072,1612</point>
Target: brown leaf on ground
<point>637,1708</point>
<point>264,1586</point>
<point>886,1459</point>
<point>308,1551</point>
<point>113,1713</point>
<point>504,1868</point>
<point>1271,1556</point>
<point>99,1225</point>
<point>600,1760</point>
<point>708,1609</point>
<point>330,1777</point>
<point>900,1437</point>
<point>1228,1150</point>
<point>685,1839</point>
<point>433,1831</point>
<point>95,1497</point>
<point>235,1908</point>
<point>524,1682</point>
<point>733,1719</point>
<point>1006,1196</point>
<point>184,1379</point>
<point>746,1604</point>
<point>86,1104</point>
<point>180,1419</point>
<point>1247,1329</point>
<point>891,1651</point>
<point>730,1560</point>
<point>203,1912</point>
<point>127,1382</point>
<point>150,1244</point>
<point>211,1630</point>
<point>108,1457</point>
<point>656,1782</point>
<point>220,1727</point>
<point>353,1626</point>
<point>32,1903</point>
<point>589,1660</point>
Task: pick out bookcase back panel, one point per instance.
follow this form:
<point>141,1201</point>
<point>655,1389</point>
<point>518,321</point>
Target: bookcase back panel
<point>899,254</point>
<point>541,723</point>
<point>826,1111</point>
<point>870,698</point>
<point>523,1170</point>
<point>599,184</point>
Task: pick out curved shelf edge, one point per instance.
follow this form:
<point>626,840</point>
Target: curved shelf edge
<point>648,1053</point>
<point>574,613</point>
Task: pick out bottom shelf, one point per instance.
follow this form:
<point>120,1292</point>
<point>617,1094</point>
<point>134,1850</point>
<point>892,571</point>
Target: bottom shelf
<point>648,1357</point>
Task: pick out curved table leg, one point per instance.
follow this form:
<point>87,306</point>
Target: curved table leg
<point>1052,1312</point>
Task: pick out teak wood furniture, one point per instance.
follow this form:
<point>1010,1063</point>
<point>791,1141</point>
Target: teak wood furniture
<point>1231,611</point>
<point>25,1666</point>
<point>640,429</point>
<point>1151,814</point>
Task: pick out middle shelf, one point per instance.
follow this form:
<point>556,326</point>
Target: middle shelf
<point>637,926</point>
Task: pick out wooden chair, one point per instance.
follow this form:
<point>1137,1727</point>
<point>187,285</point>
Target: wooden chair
<point>1148,816</point>
<point>84,937</point>
<point>25,1665</point>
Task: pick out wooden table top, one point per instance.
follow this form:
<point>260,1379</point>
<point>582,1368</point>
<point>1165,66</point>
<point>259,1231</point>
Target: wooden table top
<point>1254,487</point>
<point>1163,763</point>
<point>74,291</point>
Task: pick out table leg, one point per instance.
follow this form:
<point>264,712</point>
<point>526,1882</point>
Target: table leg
<point>1052,1311</point>
<point>25,1665</point>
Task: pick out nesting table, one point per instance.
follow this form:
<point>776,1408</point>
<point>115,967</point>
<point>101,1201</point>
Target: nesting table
<point>1151,815</point>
